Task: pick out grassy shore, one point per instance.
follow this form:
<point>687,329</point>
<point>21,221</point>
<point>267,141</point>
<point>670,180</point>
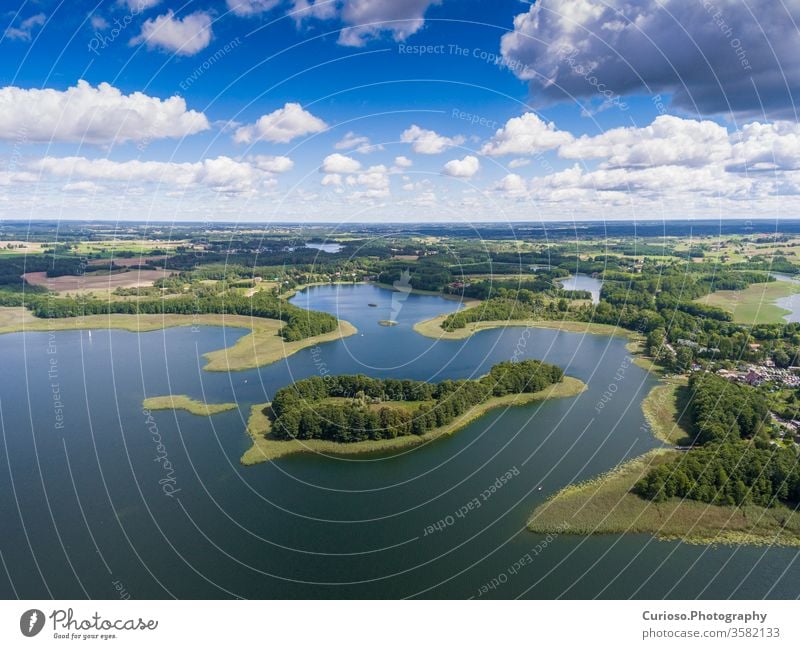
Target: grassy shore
<point>606,505</point>
<point>183,402</point>
<point>261,346</point>
<point>433,328</point>
<point>665,409</point>
<point>265,449</point>
<point>755,304</point>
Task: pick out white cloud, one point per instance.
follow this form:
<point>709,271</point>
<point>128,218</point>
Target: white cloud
<point>276,164</point>
<point>772,146</point>
<point>667,141</point>
<point>332,180</point>
<point>281,126</point>
<point>368,19</point>
<point>84,186</point>
<point>251,7</point>
<point>100,115</point>
<point>512,185</point>
<point>221,174</point>
<point>25,30</point>
<point>428,142</point>
<point>525,135</point>
<point>336,163</point>
<point>402,161</point>
<point>184,36</point>
<point>320,9</point>
<point>516,163</point>
<point>373,184</point>
<point>140,5</point>
<point>99,23</point>
<point>465,168</point>
<point>358,143</point>
<point>713,56</point>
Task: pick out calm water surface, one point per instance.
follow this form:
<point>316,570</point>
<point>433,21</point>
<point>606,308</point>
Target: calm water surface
<point>82,479</point>
<point>791,302</point>
<point>580,282</point>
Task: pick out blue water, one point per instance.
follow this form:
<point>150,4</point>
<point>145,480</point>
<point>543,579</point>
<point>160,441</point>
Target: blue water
<point>83,501</point>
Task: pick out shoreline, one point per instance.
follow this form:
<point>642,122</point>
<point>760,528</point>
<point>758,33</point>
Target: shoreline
<point>605,505</point>
<point>431,328</point>
<point>267,450</point>
<point>262,346</point>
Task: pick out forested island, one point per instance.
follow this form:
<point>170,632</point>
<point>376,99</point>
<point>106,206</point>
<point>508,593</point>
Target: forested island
<point>355,413</point>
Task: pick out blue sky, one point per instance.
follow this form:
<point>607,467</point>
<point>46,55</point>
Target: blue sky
<point>397,110</point>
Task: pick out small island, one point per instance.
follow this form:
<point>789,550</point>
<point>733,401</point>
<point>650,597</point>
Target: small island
<point>184,402</point>
<point>350,415</point>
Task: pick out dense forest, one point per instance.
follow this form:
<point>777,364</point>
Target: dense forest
<point>357,408</point>
<point>733,462</point>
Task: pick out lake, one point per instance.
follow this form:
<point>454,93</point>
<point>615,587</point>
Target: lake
<point>82,476</point>
<point>791,302</point>
<point>581,282</point>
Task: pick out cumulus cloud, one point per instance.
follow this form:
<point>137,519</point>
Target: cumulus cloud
<point>373,183</point>
<point>281,126</point>
<point>766,147</point>
<point>336,163</point>
<point>97,115</point>
<point>184,36</point>
<point>465,168</point>
<point>99,23</point>
<point>512,185</point>
<point>667,141</point>
<point>220,174</point>
<point>305,9</point>
<point>402,161</point>
<point>428,142</point>
<point>369,19</point>
<point>358,143</point>
<point>712,57</point>
<point>276,164</point>
<point>525,135</point>
<point>24,31</point>
<point>251,7</point>
<point>140,5</point>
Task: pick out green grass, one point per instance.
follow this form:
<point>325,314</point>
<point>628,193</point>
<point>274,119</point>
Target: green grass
<point>266,449</point>
<point>433,328</point>
<point>260,347</point>
<point>183,402</point>
<point>755,304</point>
<point>665,409</point>
<point>606,505</point>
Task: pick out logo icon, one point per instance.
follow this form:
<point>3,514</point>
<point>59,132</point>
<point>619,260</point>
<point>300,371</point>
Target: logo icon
<point>31,622</point>
<point>402,289</point>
